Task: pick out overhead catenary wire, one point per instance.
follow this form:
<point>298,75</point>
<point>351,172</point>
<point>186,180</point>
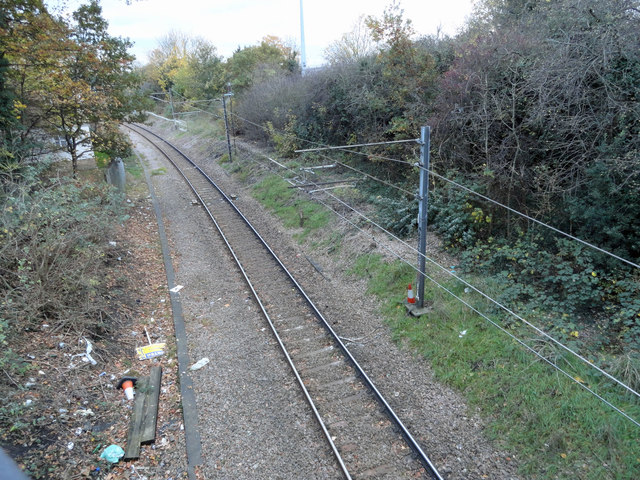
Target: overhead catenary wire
<point>377,179</point>
<point>324,146</point>
<point>506,309</point>
<point>341,147</point>
<point>179,102</point>
<point>369,155</point>
<point>474,309</point>
<point>389,184</point>
<point>479,195</point>
<point>495,324</point>
<point>208,100</point>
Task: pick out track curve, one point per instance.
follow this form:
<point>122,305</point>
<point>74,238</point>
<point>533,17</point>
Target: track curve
<point>365,435</point>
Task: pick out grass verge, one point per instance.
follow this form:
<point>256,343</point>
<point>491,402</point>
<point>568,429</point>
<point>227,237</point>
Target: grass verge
<point>295,211</point>
<point>554,428</point>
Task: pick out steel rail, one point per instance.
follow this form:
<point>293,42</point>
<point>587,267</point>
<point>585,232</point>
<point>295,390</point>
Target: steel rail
<point>415,446</point>
<point>251,287</point>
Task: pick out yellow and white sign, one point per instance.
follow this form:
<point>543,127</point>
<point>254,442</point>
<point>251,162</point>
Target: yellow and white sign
<point>150,351</point>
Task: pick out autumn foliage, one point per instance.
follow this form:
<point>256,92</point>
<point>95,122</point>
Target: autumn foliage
<point>67,77</point>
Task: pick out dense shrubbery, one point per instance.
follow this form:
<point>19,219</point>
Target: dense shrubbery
<point>398,215</point>
<point>535,105</point>
<point>559,280</point>
<point>53,248</point>
<point>562,285</point>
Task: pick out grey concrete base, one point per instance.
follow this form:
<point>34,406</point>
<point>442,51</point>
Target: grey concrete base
<point>415,311</point>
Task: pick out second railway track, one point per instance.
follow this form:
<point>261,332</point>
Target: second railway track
<point>366,436</point>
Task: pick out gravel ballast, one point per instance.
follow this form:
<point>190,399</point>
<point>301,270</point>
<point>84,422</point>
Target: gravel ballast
<point>253,421</point>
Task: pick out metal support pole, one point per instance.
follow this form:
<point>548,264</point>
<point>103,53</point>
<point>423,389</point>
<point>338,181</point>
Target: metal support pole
<point>226,121</point>
<point>425,144</point>
<point>173,115</point>
<point>233,129</point>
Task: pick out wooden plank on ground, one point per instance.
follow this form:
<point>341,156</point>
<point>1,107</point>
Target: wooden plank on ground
<point>151,405</point>
<point>136,422</point>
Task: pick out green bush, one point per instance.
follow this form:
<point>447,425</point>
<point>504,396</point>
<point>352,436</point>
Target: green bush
<point>454,214</point>
<point>285,142</point>
<point>53,239</point>
<point>564,285</point>
<point>398,215</point>
<point>606,210</point>
<point>560,284</point>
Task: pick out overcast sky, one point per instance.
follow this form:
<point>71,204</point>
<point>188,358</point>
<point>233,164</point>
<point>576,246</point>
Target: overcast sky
<point>230,24</point>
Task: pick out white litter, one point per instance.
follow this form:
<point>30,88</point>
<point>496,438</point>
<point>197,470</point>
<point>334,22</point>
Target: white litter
<point>462,333</point>
<point>177,288</point>
<point>87,354</point>
<point>84,413</point>
<point>199,364</point>
<point>113,244</point>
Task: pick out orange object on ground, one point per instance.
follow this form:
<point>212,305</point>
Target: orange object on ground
<point>410,296</point>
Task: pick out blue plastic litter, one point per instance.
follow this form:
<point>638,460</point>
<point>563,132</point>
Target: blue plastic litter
<point>112,454</point>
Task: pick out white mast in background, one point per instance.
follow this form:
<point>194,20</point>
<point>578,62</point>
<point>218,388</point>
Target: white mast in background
<point>303,53</point>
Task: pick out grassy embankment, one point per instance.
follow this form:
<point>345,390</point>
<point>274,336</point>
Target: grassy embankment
<point>553,427</point>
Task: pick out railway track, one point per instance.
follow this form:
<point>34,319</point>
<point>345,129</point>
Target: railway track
<point>365,435</point>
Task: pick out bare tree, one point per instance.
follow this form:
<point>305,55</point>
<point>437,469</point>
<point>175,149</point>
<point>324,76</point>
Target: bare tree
<point>352,46</point>
<point>533,101</point>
